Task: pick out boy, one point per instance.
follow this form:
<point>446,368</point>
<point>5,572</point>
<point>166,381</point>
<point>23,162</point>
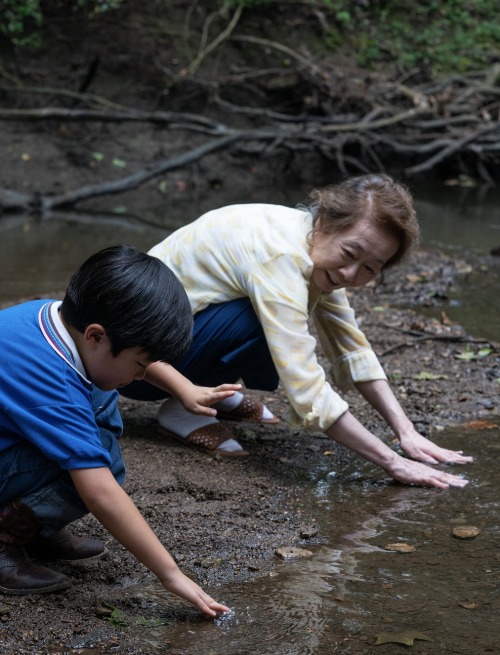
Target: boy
<point>60,365</point>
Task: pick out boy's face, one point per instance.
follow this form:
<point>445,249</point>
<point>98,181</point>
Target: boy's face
<point>108,372</point>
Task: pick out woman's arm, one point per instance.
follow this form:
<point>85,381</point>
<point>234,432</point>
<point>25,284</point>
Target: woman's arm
<point>195,399</point>
<point>112,507</point>
<point>348,432</point>
<point>380,396</point>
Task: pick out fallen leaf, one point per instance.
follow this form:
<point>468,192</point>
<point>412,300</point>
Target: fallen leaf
<point>445,319</point>
<point>401,548</point>
<point>413,279</point>
<point>469,354</point>
<point>466,355</point>
<point>469,606</point>
<point>407,637</point>
<point>425,375</point>
<point>480,425</point>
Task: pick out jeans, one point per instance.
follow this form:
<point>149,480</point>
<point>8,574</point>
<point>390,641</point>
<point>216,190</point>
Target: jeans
<point>40,483</point>
<point>228,344</point>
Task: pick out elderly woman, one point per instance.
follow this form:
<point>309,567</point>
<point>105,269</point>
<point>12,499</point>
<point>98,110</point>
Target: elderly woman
<point>255,274</point>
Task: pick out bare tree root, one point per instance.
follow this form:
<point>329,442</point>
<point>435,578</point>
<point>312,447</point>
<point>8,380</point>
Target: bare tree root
<point>299,104</point>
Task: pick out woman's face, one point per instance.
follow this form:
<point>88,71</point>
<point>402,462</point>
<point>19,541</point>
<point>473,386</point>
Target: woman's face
<point>352,257</point>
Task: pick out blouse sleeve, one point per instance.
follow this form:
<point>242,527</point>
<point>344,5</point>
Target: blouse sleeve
<point>345,345</point>
<point>279,294</point>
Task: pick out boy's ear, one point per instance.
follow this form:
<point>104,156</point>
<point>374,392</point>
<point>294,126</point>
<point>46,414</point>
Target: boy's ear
<point>95,335</point>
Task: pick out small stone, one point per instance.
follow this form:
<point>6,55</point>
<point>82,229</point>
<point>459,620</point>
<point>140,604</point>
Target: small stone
<point>308,533</point>
<point>290,552</point>
<point>465,531</point>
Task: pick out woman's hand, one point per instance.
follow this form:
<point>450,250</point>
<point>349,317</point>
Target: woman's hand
<point>198,400</point>
<point>419,448</point>
<point>179,584</point>
<point>350,433</point>
<point>380,396</point>
<point>410,472</point>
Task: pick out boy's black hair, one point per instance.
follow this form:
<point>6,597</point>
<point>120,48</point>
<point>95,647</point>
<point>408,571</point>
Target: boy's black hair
<point>136,298</point>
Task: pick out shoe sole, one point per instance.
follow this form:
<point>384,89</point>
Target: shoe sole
<point>81,561</point>
<point>60,586</point>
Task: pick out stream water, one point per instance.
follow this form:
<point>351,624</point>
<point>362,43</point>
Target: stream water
<point>443,593</point>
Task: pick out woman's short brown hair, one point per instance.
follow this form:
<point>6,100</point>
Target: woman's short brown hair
<point>374,197</point>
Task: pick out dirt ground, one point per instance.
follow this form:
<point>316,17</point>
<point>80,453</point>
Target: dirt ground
<point>222,520</point>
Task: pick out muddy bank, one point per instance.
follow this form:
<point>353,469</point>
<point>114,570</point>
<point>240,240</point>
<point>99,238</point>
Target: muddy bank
<point>223,520</point>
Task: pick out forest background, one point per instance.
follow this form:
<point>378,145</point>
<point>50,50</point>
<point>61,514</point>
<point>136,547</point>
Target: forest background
<point>323,85</point>
<point>160,109</point>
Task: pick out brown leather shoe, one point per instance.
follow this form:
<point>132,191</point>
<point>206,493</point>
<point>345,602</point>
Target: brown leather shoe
<point>65,546</point>
<point>19,576</point>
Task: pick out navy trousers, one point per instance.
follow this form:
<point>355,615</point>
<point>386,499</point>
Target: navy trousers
<point>228,344</point>
<point>26,474</point>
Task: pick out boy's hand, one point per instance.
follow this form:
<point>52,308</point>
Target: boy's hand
<point>182,586</point>
<point>194,399</point>
<point>198,400</point>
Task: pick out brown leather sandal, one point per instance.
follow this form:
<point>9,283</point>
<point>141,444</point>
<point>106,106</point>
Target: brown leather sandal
<point>208,438</point>
<point>248,410</point>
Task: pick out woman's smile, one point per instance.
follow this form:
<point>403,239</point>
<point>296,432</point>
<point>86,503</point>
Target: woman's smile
<point>350,258</point>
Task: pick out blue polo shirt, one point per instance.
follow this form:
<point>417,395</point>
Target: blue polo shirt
<point>45,396</point>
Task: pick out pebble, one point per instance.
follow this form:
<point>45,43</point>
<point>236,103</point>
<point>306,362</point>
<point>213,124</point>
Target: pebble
<point>308,533</point>
<point>465,531</point>
<point>290,552</point>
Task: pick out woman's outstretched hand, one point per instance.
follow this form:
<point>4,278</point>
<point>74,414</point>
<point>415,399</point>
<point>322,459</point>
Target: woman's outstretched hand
<point>419,448</point>
<point>350,433</point>
<point>410,472</point>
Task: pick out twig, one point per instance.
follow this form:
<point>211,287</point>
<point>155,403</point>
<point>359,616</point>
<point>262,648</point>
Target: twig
<point>225,34</point>
<point>451,149</point>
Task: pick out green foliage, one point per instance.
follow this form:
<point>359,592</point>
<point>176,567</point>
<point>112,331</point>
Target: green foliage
<point>246,4</point>
<point>434,35</point>
<point>116,619</point>
<point>94,7</point>
<point>22,20</point>
<point>456,35</point>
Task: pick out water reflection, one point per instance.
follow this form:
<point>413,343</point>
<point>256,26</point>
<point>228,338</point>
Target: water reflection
<point>352,588</point>
<point>454,217</point>
<point>37,257</point>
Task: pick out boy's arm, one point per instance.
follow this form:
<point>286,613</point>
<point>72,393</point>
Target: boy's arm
<point>112,507</point>
<point>195,399</point>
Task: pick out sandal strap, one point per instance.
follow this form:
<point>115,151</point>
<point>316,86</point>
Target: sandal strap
<point>209,437</point>
<point>248,410</point>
